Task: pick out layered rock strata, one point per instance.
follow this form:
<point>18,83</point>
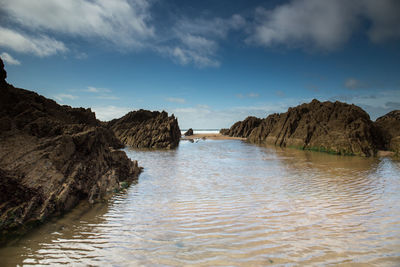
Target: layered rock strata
<point>147,129</point>
<point>337,128</point>
<point>52,157</point>
<point>242,128</point>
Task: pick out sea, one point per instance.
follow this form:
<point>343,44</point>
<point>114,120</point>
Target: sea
<point>231,203</point>
<point>202,131</point>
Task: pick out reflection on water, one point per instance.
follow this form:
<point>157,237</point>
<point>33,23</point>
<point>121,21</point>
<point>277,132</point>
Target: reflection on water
<point>231,203</point>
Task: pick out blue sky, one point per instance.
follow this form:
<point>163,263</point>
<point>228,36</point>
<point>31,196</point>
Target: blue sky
<point>210,63</point>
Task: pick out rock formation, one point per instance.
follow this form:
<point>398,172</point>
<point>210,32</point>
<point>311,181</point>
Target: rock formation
<point>224,131</point>
<point>147,129</point>
<point>388,127</point>
<point>242,128</point>
<point>337,128</point>
<point>189,132</point>
<point>52,157</point>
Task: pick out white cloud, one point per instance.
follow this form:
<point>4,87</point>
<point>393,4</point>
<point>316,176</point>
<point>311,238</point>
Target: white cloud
<point>92,89</point>
<point>249,95</point>
<point>352,83</point>
<point>62,97</point>
<point>214,27</point>
<point>9,59</point>
<point>123,22</point>
<point>198,117</point>
<point>196,40</point>
<point>176,100</point>
<point>324,24</point>
<point>40,45</point>
<point>106,113</point>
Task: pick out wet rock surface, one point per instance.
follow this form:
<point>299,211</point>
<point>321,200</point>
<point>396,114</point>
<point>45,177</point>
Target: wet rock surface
<point>242,128</point>
<point>337,128</point>
<point>388,127</point>
<point>147,129</point>
<point>51,158</point>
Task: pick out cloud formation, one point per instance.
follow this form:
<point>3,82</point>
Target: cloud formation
<point>51,27</point>
<point>197,40</point>
<point>106,113</point>
<point>249,95</point>
<point>119,21</point>
<point>40,45</point>
<point>352,83</point>
<point>92,89</point>
<point>62,97</point>
<point>9,59</point>
<point>176,100</point>
<point>325,25</point>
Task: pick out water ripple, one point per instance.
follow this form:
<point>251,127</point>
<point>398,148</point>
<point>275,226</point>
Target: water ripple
<point>229,203</point>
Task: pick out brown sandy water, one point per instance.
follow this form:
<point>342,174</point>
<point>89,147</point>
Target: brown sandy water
<point>225,202</point>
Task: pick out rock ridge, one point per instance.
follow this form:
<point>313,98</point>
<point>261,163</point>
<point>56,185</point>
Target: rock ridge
<point>332,127</point>
<point>242,128</point>
<point>147,129</point>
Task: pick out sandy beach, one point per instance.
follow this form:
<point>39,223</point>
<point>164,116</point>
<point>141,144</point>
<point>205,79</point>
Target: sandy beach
<point>213,136</point>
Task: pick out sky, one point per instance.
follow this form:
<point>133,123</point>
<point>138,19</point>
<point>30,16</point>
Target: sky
<point>210,63</point>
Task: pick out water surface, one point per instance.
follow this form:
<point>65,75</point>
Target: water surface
<point>232,204</point>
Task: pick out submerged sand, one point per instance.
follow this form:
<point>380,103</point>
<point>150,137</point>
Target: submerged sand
<point>213,136</point>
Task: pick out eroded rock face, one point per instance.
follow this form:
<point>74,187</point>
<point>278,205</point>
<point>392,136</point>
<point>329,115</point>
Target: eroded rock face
<point>322,126</point>
<point>147,129</point>
<point>388,127</point>
<point>189,132</point>
<point>52,157</point>
<point>242,128</point>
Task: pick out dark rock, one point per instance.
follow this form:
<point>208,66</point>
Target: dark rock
<point>52,157</point>
<point>147,129</point>
<point>242,128</point>
<point>189,132</point>
<point>337,128</point>
<point>3,73</point>
<point>224,131</point>
<point>388,127</point>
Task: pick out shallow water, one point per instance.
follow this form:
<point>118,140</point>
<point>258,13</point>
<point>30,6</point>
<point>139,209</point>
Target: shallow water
<point>231,203</point>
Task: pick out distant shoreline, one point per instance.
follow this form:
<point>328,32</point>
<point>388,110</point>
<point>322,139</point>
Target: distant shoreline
<point>213,136</point>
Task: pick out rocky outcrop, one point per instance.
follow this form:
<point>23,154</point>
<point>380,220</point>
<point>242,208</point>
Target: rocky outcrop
<point>336,127</point>
<point>224,131</point>
<point>3,74</point>
<point>189,132</point>
<point>52,157</point>
<point>388,127</point>
<point>242,128</point>
<point>147,129</point>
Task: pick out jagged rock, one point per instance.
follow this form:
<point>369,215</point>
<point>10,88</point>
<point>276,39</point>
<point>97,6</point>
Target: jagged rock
<point>147,129</point>
<point>337,127</point>
<point>189,132</point>
<point>242,128</point>
<point>52,157</point>
<point>388,127</point>
<point>3,73</point>
<point>224,131</point>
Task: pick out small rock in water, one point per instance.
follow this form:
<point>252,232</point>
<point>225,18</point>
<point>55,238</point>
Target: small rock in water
<point>189,132</point>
